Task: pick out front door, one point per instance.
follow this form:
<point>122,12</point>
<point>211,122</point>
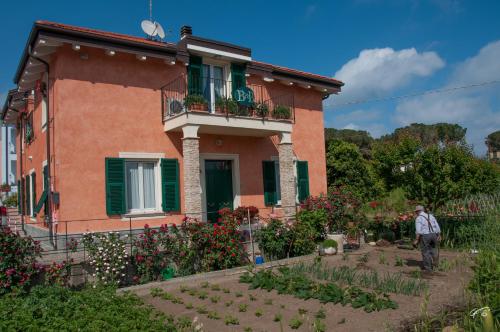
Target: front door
<point>219,187</point>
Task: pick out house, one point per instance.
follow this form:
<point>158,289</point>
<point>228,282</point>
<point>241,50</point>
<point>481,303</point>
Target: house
<point>117,131</point>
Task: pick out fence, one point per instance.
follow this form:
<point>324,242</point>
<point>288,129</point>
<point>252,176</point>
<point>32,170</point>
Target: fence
<point>74,252</point>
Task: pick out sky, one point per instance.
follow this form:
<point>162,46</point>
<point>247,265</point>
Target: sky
<point>384,51</point>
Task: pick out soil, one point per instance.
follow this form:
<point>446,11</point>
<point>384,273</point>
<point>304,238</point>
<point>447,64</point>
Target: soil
<point>445,288</point>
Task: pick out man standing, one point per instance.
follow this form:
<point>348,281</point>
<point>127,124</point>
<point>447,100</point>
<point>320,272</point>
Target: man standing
<point>428,234</point>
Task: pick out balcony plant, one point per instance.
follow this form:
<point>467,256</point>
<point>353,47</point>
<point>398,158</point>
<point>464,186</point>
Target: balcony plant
<point>220,105</point>
<point>261,110</point>
<point>5,188</point>
<point>196,103</point>
<point>282,112</point>
<point>232,107</point>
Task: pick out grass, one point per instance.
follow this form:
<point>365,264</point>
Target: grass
<point>229,303</point>
<point>184,288</point>
<point>252,298</point>
<point>382,260</point>
<point>215,299</point>
<point>202,295</point>
<point>319,326</point>
<point>302,311</point>
<point>278,318</point>
<point>215,287</point>
<point>231,320</point>
<point>321,314</point>
<point>268,302</point>
<point>213,315</point>
<point>226,290</point>
<point>202,310</point>
<point>295,323</point>
<point>238,294</point>
<point>188,305</point>
<point>364,258</point>
<point>399,261</point>
<point>204,284</point>
<point>243,307</point>
<point>259,312</point>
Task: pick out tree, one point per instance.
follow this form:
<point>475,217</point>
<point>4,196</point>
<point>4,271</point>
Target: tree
<point>347,167</point>
<point>493,141</point>
<point>360,138</point>
<point>439,133</point>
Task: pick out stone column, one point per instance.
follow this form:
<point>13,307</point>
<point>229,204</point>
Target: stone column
<point>192,187</point>
<point>287,178</point>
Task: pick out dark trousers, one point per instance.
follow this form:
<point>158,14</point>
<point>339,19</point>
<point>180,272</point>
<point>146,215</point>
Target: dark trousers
<point>429,246</point>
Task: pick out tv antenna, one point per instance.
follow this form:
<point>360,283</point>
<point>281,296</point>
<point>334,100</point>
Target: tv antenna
<point>152,28</point>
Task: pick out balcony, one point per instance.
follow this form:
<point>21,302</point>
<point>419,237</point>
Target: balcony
<point>217,107</point>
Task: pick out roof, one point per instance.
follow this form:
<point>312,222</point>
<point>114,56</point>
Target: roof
<point>168,48</point>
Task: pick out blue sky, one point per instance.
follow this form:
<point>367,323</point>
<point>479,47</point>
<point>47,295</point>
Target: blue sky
<point>379,48</point>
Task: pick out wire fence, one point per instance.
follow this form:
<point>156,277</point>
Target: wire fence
<point>67,248</point>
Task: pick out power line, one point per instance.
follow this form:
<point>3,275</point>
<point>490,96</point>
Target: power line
<point>427,92</point>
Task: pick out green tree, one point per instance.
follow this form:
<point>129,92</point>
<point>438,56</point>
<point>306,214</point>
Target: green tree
<point>347,167</point>
<point>493,140</point>
<point>439,133</point>
<point>360,138</point>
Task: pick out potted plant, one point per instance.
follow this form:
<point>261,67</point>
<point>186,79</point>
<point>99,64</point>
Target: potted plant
<point>329,246</point>
<point>5,188</point>
<point>232,107</point>
<point>220,105</point>
<point>262,110</point>
<point>196,103</point>
<point>282,112</point>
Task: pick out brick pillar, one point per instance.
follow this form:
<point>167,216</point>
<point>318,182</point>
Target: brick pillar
<point>287,178</point>
<point>192,187</point>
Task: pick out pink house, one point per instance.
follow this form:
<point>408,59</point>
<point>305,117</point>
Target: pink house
<point>116,129</point>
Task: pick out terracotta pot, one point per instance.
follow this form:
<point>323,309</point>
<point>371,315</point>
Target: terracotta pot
<point>199,107</point>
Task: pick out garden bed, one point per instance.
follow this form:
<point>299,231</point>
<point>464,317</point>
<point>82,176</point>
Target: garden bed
<point>221,300</point>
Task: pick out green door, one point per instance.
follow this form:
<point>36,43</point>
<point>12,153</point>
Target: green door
<point>219,187</point>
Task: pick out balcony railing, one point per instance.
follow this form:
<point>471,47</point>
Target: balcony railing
<point>216,96</point>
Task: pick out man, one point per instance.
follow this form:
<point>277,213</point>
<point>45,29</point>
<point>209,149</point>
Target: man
<point>428,234</point>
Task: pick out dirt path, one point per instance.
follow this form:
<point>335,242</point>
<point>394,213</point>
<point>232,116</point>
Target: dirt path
<point>444,288</point>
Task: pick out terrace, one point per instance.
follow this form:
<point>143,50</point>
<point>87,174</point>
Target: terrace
<point>223,107</point>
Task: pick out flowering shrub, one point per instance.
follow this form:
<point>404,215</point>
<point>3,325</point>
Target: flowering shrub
<point>72,245</point>
<point>340,205</point>
<point>107,255</point>
<point>274,239</point>
<point>58,273</point>
<point>214,246</point>
<point>18,263</point>
<point>242,212</point>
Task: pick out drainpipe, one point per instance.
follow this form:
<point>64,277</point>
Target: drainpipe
<point>49,193</point>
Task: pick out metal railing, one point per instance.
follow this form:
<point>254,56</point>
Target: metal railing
<point>215,96</point>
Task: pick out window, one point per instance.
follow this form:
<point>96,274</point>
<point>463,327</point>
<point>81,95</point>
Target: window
<point>213,84</point>
<point>44,111</point>
<point>28,129</point>
<point>271,176</point>
<point>141,186</point>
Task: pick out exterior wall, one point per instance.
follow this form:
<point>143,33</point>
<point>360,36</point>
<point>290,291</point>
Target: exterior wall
<point>104,105</point>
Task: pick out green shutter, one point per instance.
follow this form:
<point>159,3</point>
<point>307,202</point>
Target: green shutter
<point>170,185</point>
<point>115,186</point>
<point>237,76</point>
<point>27,182</point>
<point>195,76</point>
<point>33,199</point>
<point>302,180</point>
<point>269,176</point>
<point>46,187</point>
<point>40,203</point>
<point>19,196</point>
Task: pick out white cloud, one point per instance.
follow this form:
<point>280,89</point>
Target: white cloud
<point>473,108</point>
<point>483,67</point>
<point>376,72</point>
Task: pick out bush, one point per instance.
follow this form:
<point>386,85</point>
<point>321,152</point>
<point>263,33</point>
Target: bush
<point>330,244</point>
<point>274,240</point>
<point>316,219</point>
<point>304,237</point>
<point>486,280</point>
<point>60,309</point>
<point>10,201</point>
<point>18,264</point>
<point>107,255</point>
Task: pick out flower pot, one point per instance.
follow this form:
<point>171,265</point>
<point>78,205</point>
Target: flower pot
<point>340,240</point>
<point>199,107</point>
<point>330,251</point>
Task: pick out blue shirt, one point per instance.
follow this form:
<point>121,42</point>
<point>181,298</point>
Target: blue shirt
<point>422,226</point>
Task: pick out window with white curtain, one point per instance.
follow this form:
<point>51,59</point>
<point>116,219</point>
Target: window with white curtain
<point>141,186</point>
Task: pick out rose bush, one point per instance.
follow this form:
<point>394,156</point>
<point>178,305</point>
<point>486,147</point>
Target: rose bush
<point>18,260</point>
<point>108,256</point>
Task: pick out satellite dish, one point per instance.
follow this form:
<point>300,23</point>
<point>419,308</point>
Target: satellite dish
<point>149,28</point>
<point>159,30</point>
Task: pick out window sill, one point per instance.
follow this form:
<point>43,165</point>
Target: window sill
<point>144,215</point>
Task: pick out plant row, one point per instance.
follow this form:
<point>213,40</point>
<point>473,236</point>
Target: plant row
<point>302,287</point>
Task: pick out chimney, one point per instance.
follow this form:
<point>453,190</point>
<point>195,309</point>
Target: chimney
<point>186,30</point>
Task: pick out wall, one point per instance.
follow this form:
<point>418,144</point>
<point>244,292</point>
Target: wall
<point>105,105</point>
